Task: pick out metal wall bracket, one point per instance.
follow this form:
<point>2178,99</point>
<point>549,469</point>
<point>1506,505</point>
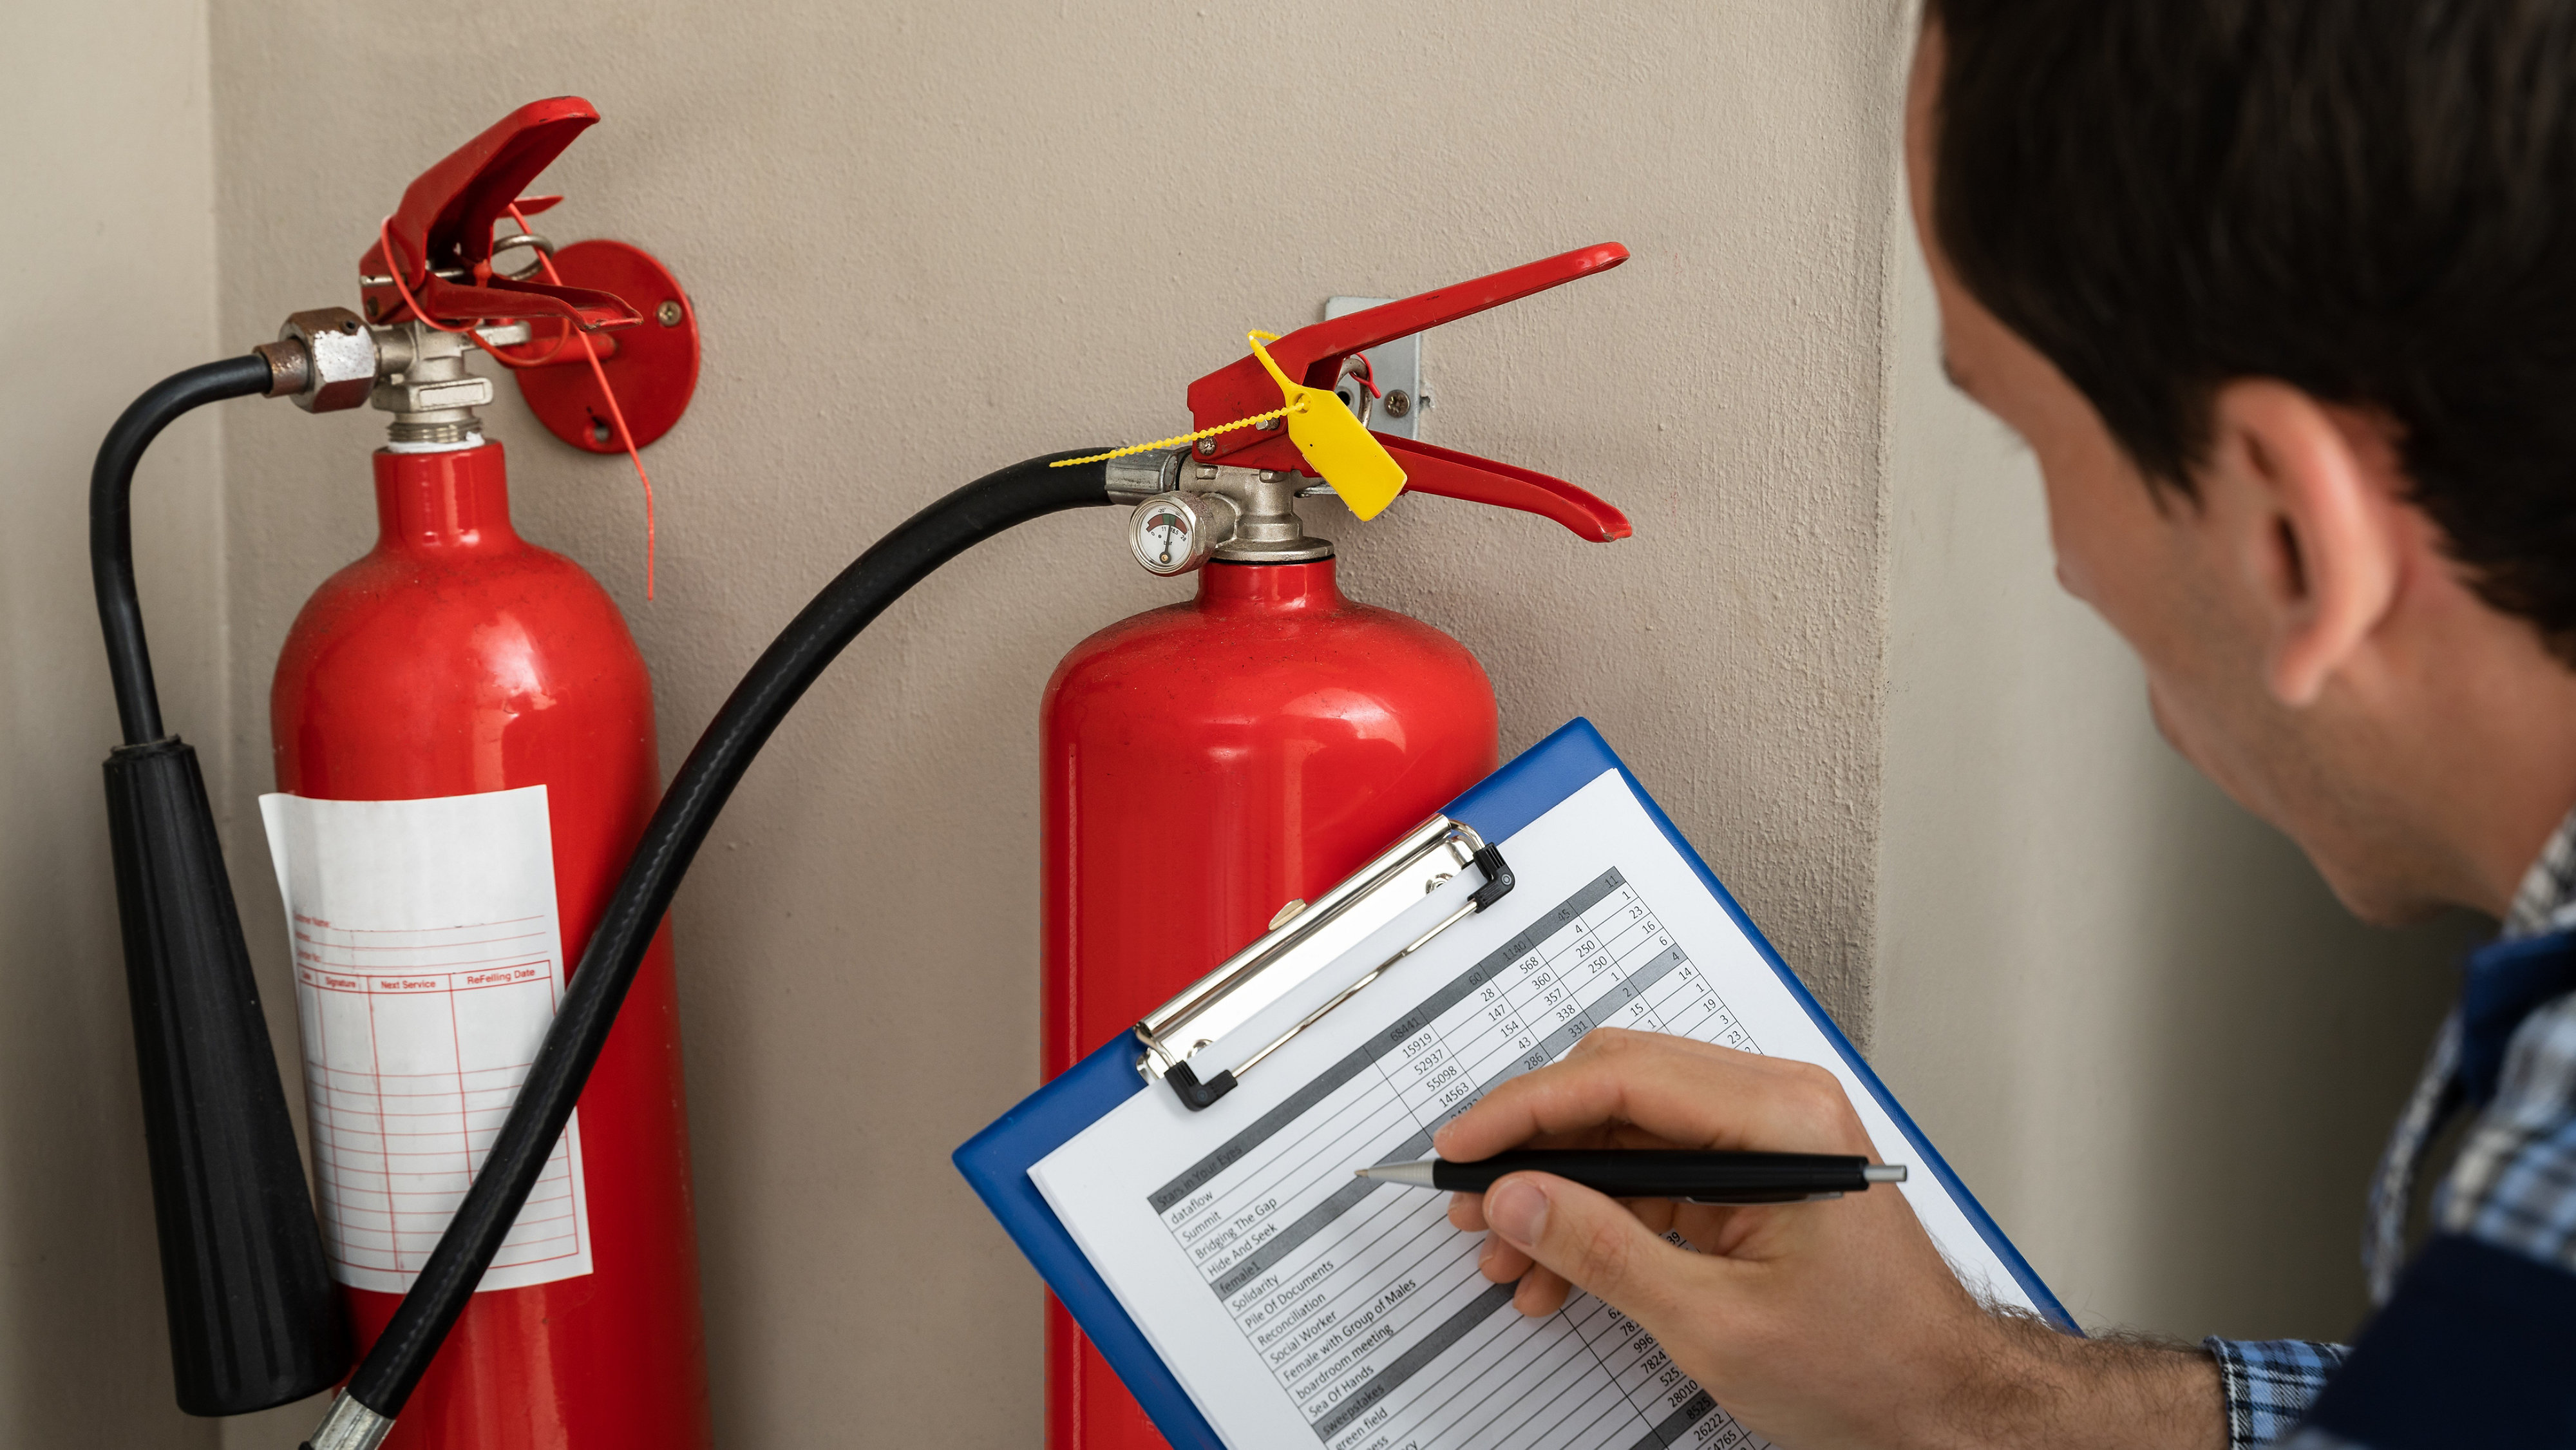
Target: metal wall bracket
<point>653,366</point>
<point>1397,369</point>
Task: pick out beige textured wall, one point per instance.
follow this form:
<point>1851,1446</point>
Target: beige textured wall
<point>924,241</point>
<point>2131,1015</point>
<point>106,284</point>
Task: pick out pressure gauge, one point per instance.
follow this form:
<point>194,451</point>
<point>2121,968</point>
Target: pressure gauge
<point>1174,533</point>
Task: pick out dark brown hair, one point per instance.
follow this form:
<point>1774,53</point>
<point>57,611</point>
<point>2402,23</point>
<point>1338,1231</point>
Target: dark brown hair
<point>2371,200</point>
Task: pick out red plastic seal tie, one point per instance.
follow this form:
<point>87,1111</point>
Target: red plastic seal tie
<point>615,414</point>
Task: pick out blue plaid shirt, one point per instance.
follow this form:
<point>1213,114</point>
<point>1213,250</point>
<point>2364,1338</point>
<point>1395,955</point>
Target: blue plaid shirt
<point>2513,1186</point>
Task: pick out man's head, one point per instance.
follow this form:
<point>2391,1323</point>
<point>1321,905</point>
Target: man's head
<point>2282,295</point>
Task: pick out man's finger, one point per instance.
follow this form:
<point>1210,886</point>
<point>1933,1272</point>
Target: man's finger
<point>1678,1090</point>
<point>1541,1292</point>
<point>1500,1263</point>
<point>1597,1245</point>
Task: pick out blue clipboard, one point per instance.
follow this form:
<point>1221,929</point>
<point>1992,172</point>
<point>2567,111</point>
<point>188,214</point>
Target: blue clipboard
<point>997,1160</point>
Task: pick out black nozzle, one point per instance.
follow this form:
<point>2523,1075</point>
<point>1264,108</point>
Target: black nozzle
<point>253,1320</point>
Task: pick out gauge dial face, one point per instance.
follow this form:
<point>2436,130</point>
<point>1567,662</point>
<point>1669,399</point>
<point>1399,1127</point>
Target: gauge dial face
<point>1168,535</point>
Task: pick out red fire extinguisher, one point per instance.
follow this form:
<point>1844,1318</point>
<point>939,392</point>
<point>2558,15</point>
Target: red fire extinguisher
<point>482,697</point>
<point>1257,744</point>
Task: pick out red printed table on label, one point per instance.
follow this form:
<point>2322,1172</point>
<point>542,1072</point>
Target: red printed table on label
<point>417,1042</point>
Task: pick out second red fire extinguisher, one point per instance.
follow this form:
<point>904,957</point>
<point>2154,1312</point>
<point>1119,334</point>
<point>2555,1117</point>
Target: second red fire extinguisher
<point>1240,753</point>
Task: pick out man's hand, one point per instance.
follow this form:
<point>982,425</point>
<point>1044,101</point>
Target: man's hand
<point>1818,1325</point>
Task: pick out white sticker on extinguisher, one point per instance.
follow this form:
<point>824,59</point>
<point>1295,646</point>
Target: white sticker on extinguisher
<point>428,962</point>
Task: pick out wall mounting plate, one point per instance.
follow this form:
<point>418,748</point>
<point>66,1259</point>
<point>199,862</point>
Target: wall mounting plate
<point>655,368</point>
<point>1397,367</point>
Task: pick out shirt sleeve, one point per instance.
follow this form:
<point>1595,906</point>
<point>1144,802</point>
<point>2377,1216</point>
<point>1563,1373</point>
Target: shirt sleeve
<point>2270,1383</point>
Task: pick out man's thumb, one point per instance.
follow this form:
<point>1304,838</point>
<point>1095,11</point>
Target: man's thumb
<point>1593,1241</point>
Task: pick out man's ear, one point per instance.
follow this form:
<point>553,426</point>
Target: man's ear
<point>2310,495</point>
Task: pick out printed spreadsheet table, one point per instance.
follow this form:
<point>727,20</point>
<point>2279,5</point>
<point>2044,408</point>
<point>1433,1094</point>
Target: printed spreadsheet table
<point>1344,1323</point>
<point>428,965</point>
<point>1297,1306</point>
<point>416,1044</point>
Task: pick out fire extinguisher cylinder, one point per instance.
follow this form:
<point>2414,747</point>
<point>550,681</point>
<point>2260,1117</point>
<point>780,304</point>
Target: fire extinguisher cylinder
<point>364,1411</point>
<point>253,1320</point>
<point>1256,744</point>
<point>255,1316</point>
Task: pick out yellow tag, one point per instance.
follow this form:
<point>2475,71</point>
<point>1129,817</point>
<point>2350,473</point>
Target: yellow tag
<point>1335,444</point>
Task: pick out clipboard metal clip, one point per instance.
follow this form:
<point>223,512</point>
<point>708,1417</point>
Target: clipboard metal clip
<point>1307,941</point>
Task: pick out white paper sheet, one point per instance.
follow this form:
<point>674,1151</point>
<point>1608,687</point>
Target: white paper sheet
<point>428,963</point>
<point>1302,1307</point>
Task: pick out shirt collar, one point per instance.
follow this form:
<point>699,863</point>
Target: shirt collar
<point>2546,900</point>
<point>2506,982</point>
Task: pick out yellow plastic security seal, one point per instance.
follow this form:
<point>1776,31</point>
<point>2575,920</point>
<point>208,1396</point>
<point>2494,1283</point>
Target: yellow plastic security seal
<point>1333,442</point>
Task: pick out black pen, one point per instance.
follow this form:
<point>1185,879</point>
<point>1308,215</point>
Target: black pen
<point>1702,1177</point>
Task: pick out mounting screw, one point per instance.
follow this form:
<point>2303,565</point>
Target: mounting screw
<point>1207,446</point>
<point>1397,402</point>
<point>668,314</point>
<point>1266,424</point>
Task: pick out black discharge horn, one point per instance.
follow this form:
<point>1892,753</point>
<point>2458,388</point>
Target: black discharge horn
<point>253,1318</point>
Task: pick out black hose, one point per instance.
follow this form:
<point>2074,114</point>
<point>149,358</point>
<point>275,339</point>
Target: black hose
<point>111,527</point>
<point>793,661</point>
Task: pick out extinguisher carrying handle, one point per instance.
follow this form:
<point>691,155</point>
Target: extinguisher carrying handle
<point>1314,354</point>
<point>363,1413</point>
<point>252,1316</point>
<point>1448,473</point>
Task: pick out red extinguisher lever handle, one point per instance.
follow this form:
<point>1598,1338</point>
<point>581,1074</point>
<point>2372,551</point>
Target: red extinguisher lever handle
<point>1313,354</point>
<point>441,235</point>
<point>1451,474</point>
